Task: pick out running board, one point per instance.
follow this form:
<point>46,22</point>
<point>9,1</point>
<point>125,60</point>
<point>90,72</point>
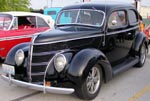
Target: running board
<point>128,63</point>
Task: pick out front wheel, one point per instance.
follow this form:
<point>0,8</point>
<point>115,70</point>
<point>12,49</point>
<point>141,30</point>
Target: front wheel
<point>91,87</point>
<point>142,56</point>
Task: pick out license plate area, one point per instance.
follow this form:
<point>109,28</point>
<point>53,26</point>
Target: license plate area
<point>8,69</point>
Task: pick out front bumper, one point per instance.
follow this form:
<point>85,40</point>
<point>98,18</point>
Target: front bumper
<point>38,87</point>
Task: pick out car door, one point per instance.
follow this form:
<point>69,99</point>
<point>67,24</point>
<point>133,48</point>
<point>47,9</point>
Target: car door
<point>118,37</point>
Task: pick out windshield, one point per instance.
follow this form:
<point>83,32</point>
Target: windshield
<point>5,21</point>
<point>82,17</point>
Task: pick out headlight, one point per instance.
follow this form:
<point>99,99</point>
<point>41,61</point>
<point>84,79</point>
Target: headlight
<point>60,62</point>
<point>19,57</point>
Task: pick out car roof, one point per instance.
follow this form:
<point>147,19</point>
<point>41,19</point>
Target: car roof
<point>99,5</point>
<point>47,18</point>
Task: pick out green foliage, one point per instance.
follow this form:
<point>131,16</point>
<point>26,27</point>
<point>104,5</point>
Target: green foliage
<point>14,5</point>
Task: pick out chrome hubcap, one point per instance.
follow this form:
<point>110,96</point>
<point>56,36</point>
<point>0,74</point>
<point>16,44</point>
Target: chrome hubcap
<point>143,54</point>
<point>93,80</point>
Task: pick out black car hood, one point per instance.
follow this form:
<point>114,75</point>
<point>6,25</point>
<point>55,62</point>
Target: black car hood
<point>66,33</point>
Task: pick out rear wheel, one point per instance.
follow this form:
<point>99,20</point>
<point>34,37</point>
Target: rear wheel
<point>142,56</point>
<point>90,88</point>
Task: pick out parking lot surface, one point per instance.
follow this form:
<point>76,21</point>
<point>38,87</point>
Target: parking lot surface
<point>132,85</point>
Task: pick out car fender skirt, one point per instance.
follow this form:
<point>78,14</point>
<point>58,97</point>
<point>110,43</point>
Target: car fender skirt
<point>43,88</point>
<point>82,63</point>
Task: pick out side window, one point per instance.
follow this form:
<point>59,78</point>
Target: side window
<point>117,19</point>
<point>41,22</point>
<point>26,22</point>
<point>132,17</point>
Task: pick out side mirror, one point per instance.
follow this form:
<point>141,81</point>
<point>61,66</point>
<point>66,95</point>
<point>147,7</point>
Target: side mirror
<point>114,22</point>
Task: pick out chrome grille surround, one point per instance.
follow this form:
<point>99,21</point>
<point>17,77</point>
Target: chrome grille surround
<point>30,58</point>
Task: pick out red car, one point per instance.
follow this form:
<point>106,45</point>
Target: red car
<point>18,27</point>
<point>147,32</point>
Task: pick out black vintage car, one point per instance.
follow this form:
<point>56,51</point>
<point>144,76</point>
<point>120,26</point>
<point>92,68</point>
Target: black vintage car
<point>91,43</point>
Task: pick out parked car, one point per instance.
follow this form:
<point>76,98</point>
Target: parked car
<point>18,27</point>
<point>147,32</point>
<point>95,43</point>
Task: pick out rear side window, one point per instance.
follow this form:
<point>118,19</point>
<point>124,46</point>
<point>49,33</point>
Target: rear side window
<point>132,17</point>
<point>117,19</point>
<point>41,22</point>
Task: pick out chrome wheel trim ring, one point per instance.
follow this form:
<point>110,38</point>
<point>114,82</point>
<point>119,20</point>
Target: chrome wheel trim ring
<point>143,54</point>
<point>93,80</point>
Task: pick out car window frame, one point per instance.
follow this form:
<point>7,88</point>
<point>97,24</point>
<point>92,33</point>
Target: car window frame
<point>100,11</point>
<point>118,27</point>
<point>136,23</point>
<point>37,25</point>
<point>14,25</point>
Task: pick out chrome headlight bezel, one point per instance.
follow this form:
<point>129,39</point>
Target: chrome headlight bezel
<point>19,57</point>
<point>60,62</point>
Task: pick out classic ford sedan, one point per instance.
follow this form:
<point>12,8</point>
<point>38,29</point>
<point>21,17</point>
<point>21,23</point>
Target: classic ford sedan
<point>91,43</point>
<point>18,27</point>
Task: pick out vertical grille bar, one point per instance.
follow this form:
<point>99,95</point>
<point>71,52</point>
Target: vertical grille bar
<point>30,59</point>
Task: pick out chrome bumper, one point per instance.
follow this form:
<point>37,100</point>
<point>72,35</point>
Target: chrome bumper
<point>38,87</point>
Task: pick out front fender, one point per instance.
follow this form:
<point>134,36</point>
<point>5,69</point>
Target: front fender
<point>83,61</point>
<point>10,59</point>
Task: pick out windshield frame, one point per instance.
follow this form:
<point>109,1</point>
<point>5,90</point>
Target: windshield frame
<point>12,18</point>
<point>80,24</point>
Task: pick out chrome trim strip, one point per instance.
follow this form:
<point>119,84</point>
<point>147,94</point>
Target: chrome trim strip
<point>51,62</point>
<point>116,32</point>
<point>56,90</point>
<point>12,21</point>
<point>111,33</point>
<point>30,58</point>
<point>69,39</point>
<point>15,37</point>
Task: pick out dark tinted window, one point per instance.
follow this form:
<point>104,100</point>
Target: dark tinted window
<point>41,22</point>
<point>132,17</point>
<point>51,12</point>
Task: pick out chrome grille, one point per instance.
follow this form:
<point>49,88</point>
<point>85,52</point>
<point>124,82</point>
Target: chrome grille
<point>40,55</point>
<point>39,63</point>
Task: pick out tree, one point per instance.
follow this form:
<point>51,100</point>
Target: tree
<point>14,5</point>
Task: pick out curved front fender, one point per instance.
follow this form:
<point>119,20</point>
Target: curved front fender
<point>10,58</point>
<point>83,61</point>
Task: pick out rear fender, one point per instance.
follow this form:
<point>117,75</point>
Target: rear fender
<point>139,40</point>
